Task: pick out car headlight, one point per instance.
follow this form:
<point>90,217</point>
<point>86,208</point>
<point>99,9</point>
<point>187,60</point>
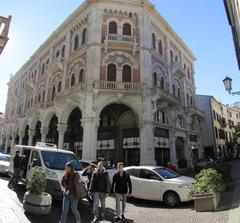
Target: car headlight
<point>51,174</point>
<point>185,186</point>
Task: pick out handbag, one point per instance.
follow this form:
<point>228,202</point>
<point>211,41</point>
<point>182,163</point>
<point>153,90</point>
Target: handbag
<point>81,191</point>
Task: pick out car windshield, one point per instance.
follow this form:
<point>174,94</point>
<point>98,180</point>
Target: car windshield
<point>5,158</point>
<point>58,160</point>
<point>166,174</point>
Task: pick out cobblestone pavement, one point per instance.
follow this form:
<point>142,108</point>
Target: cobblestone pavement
<point>138,211</point>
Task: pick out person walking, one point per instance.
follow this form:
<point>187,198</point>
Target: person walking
<point>68,182</point>
<point>16,171</point>
<point>100,188</point>
<point>89,172</point>
<point>121,186</point>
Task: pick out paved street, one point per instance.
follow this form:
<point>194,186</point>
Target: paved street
<point>138,211</point>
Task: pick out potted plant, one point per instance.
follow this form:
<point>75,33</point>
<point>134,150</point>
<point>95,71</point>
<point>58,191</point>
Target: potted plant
<point>206,190</point>
<point>35,200</point>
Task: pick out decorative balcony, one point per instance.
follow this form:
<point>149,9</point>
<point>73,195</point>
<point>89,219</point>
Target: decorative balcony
<point>120,40</point>
<point>194,111</point>
<point>56,65</point>
<point>119,86</point>
<point>165,98</point>
<point>4,28</point>
<point>178,70</point>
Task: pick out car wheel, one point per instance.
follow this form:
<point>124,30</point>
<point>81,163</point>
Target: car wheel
<point>171,199</point>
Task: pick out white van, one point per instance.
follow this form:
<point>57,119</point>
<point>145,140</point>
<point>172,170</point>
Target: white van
<point>50,158</point>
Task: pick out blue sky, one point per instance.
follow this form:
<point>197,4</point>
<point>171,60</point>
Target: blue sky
<point>202,25</point>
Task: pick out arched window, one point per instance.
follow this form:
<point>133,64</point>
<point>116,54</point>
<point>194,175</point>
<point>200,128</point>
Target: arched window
<point>171,55</point>
<point>127,29</point>
<point>176,58</point>
<point>81,75</point>
<point>174,90</point>
<point>113,28</point>
<point>76,42</point>
<point>126,73</point>
<point>84,35</point>
<point>160,50</point>
<point>57,54</point>
<point>162,83</point>
<point>43,97</point>
<point>179,93</point>
<point>73,79</point>
<point>189,73</point>
<point>179,122</point>
<point>191,100</point>
<point>155,79</point>
<point>160,116</point>
<point>63,51</point>
<point>59,86</point>
<point>111,72</point>
<point>153,41</point>
<point>39,97</point>
<point>53,92</point>
<point>188,100</point>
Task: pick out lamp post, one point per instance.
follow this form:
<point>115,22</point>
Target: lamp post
<point>227,81</point>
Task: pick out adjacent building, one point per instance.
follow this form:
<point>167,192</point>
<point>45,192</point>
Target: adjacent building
<point>113,82</point>
<point>4,29</point>
<point>233,14</point>
<point>218,128</point>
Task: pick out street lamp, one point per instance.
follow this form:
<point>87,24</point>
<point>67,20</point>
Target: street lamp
<point>227,81</point>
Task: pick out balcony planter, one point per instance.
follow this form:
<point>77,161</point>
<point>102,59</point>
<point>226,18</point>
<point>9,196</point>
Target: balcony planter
<point>206,191</point>
<point>35,200</point>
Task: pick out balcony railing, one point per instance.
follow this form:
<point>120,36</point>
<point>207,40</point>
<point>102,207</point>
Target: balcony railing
<point>114,85</point>
<point>120,38</point>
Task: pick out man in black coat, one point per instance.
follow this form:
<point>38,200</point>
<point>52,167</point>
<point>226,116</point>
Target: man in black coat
<point>99,187</point>
<point>16,171</point>
<point>121,186</point>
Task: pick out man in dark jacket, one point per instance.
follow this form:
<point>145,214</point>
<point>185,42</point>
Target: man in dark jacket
<point>16,171</point>
<point>89,172</point>
<point>121,186</point>
<point>99,187</point>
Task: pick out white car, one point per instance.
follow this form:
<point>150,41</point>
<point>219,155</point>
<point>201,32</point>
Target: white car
<point>159,184</point>
<point>4,163</point>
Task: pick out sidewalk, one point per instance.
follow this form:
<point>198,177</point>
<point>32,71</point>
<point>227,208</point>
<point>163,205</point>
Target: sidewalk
<point>11,210</point>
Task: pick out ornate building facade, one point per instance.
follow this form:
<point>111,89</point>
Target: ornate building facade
<point>113,82</point>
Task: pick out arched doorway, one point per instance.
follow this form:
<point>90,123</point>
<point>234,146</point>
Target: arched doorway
<point>179,144</point>
<point>74,135</point>
<point>17,140</point>
<point>52,136</point>
<point>37,137</point>
<point>118,135</point>
<point>26,136</point>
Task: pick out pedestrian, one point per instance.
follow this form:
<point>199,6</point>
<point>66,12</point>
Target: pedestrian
<point>68,182</point>
<point>89,172</point>
<point>121,187</point>
<point>16,171</point>
<point>100,188</point>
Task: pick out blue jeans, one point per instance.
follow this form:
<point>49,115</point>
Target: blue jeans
<point>14,180</point>
<point>70,200</point>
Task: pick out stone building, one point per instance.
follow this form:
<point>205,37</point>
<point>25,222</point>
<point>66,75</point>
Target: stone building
<point>113,82</point>
<point>4,29</point>
<point>218,128</point>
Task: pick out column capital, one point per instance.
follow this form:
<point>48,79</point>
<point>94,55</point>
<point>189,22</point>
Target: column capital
<point>62,128</point>
<point>44,130</point>
<point>88,120</point>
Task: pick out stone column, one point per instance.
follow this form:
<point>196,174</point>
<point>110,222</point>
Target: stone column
<point>173,157</point>
<point>147,155</point>
<point>31,133</point>
<point>90,128</point>
<point>21,136</point>
<point>62,128</point>
<point>44,132</point>
<point>14,135</point>
<point>7,142</point>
